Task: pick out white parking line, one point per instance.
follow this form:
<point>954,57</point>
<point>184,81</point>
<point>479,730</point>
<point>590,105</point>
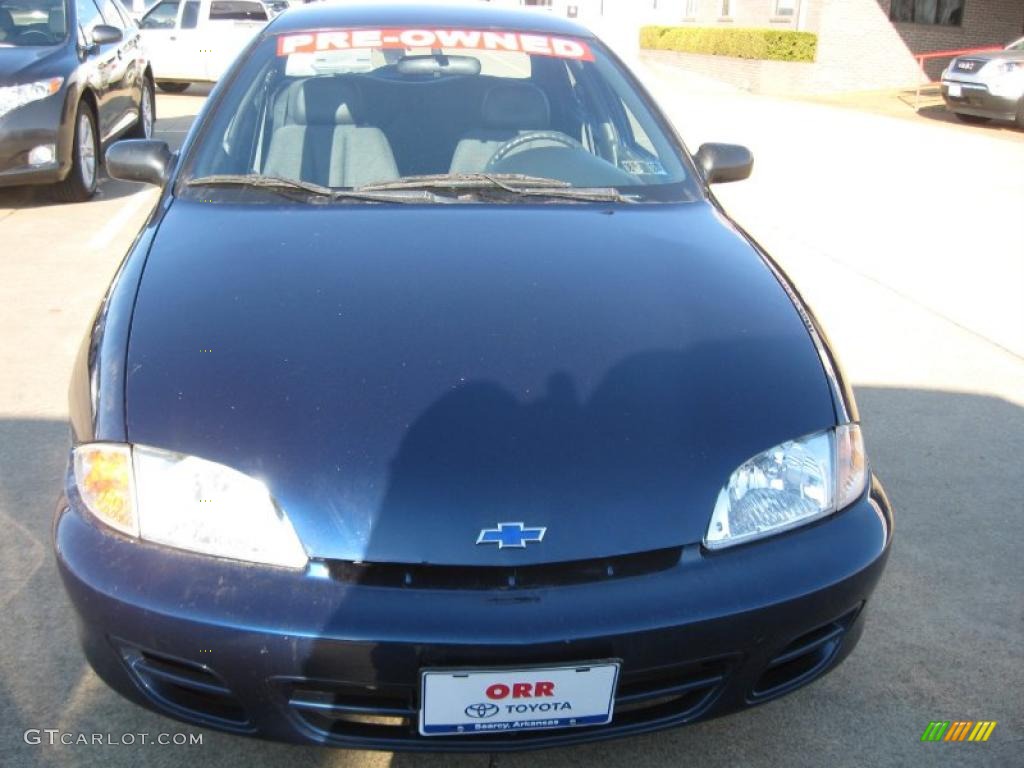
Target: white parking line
<point>110,230</point>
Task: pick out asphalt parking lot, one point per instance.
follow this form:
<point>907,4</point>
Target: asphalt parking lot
<point>903,235</point>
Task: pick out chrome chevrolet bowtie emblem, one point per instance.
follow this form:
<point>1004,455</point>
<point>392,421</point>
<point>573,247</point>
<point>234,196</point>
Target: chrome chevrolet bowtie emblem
<point>510,535</point>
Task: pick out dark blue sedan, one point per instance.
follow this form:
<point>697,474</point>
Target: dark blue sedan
<point>440,406</point>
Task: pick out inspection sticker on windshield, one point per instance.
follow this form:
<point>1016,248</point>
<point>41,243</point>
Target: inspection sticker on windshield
<point>473,39</point>
<point>463,702</point>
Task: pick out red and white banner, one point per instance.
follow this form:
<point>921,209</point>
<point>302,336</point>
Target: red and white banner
<point>470,39</point>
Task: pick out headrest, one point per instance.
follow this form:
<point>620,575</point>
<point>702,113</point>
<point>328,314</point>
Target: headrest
<point>6,20</point>
<point>323,101</point>
<point>519,105</point>
<point>56,21</point>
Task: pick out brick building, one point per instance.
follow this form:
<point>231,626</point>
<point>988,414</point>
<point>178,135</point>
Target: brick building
<point>862,44</point>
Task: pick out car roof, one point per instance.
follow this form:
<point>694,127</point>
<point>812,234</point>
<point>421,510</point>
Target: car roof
<point>479,15</point>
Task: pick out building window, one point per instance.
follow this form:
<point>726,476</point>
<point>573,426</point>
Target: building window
<point>949,13</point>
<point>726,8</point>
<point>690,11</point>
<point>785,7</point>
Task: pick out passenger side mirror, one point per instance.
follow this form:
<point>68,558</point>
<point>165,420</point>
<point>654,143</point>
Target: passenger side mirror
<point>142,160</point>
<point>104,34</point>
<point>722,163</point>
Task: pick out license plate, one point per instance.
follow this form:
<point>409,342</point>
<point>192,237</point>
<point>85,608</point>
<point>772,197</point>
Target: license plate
<point>473,701</point>
<point>956,91</point>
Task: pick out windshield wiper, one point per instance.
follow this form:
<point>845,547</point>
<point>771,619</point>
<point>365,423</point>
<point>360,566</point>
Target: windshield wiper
<point>512,182</point>
<point>292,186</point>
<point>516,184</point>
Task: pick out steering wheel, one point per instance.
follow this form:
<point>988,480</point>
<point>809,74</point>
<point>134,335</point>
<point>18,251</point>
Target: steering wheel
<point>516,142</point>
<point>24,36</point>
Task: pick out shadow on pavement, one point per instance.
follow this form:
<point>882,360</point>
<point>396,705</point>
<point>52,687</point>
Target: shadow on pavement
<point>939,113</point>
<point>942,639</point>
<point>41,196</point>
<point>195,89</point>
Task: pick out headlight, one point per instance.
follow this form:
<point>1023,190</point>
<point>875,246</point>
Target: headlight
<point>14,96</point>
<point>185,502</point>
<point>789,485</point>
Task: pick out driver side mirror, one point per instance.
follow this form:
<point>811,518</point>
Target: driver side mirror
<point>142,160</point>
<point>722,163</point>
<point>104,34</point>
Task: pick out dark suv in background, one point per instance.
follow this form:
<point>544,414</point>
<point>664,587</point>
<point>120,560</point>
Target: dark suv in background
<point>73,77</point>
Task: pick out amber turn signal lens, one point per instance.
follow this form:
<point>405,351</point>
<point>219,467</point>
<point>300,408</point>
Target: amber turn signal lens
<point>103,476</point>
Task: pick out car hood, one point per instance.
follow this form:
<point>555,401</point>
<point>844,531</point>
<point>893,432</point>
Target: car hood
<point>20,64</point>
<point>1002,55</point>
<point>403,377</point>
<point>992,56</point>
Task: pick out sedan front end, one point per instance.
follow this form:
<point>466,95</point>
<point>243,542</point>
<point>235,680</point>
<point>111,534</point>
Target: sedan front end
<point>35,144</point>
<point>333,653</point>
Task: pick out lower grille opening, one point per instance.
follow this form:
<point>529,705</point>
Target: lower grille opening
<point>188,689</point>
<point>349,711</point>
<point>356,711</point>
<point>500,577</point>
<point>677,692</point>
<point>803,659</point>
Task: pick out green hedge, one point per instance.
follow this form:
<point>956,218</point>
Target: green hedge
<point>778,45</point>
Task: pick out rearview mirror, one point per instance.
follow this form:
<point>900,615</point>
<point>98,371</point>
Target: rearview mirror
<point>722,163</point>
<point>104,34</point>
<point>142,160</point>
<point>437,65</point>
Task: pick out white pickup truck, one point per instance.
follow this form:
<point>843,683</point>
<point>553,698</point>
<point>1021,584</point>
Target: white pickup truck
<point>194,41</point>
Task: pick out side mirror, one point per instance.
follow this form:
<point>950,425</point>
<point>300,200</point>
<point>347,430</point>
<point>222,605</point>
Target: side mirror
<point>104,34</point>
<point>724,162</point>
<point>142,160</point>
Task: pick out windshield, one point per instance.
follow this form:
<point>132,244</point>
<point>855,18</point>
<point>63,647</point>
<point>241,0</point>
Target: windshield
<point>452,111</point>
<point>32,22</point>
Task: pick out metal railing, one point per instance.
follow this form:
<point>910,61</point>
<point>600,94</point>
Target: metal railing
<point>922,57</point>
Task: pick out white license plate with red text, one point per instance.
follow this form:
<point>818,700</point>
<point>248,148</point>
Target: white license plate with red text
<point>463,702</point>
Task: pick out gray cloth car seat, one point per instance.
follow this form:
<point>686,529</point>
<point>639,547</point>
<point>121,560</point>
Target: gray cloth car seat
<point>508,110</point>
<point>317,138</point>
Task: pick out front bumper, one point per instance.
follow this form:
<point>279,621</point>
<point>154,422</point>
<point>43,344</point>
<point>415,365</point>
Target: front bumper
<point>976,99</point>
<point>317,658</point>
<point>38,123</point>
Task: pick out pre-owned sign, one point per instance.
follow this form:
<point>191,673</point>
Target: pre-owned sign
<point>473,39</point>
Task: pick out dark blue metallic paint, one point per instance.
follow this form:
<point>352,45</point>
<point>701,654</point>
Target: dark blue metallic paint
<point>404,377</point>
<point>399,391</point>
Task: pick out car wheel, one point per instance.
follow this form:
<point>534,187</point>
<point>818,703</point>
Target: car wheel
<point>143,128</point>
<point>971,119</point>
<point>80,184</point>
<point>173,87</point>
